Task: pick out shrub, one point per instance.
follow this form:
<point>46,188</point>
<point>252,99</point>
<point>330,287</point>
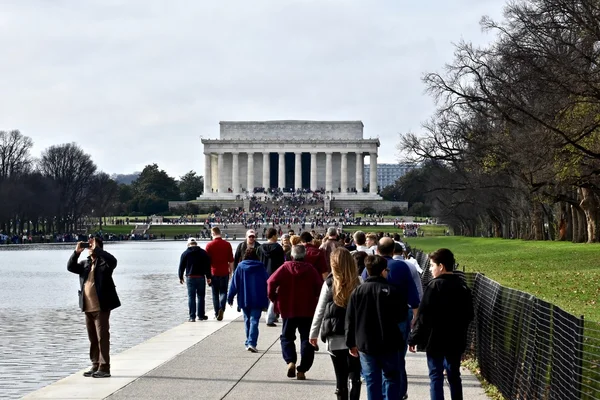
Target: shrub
<point>397,211</point>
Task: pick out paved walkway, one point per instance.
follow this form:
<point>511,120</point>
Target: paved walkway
<point>215,365</point>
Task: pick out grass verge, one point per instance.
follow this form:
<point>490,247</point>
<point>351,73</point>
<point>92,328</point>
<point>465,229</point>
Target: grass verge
<point>490,390</point>
<point>562,273</point>
<point>430,230</point>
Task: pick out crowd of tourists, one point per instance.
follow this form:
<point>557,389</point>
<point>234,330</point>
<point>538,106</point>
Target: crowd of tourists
<point>277,196</point>
<point>361,295</point>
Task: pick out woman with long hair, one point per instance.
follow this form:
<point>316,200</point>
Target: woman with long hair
<point>329,320</point>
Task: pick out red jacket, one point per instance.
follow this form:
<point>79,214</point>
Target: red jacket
<point>294,289</point>
<point>316,257</point>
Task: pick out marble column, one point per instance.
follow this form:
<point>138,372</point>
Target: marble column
<point>373,173</point>
<point>250,185</point>
<point>344,173</point>
<point>235,173</point>
<point>207,173</point>
<point>313,171</point>
<point>359,172</point>
<point>266,170</point>
<point>220,169</point>
<point>298,172</point>
<point>328,172</point>
<point>281,181</point>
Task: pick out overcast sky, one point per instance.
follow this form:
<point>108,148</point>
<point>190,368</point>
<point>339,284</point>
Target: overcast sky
<point>136,82</point>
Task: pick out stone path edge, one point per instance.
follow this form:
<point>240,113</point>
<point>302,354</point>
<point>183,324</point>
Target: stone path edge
<point>133,363</point>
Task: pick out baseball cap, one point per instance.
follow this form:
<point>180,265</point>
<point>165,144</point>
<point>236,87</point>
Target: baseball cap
<point>285,236</point>
<point>191,240</point>
<point>250,232</point>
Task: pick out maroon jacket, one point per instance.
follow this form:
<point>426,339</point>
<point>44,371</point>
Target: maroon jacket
<point>294,289</point>
<point>316,257</point>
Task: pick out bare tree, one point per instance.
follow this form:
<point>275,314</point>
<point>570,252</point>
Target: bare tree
<point>72,170</point>
<point>14,153</point>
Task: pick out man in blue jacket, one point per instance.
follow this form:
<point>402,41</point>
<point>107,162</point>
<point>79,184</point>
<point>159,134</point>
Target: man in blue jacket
<point>249,283</point>
<point>195,264</point>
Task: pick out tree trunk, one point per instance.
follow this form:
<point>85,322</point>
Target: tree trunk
<point>563,223</point>
<point>589,205</point>
<point>578,224</point>
<point>551,223</point>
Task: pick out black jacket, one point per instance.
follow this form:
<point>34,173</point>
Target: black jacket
<point>103,281</point>
<point>334,316</point>
<point>444,316</point>
<point>372,317</point>
<point>272,255</point>
<point>195,261</point>
<point>240,251</point>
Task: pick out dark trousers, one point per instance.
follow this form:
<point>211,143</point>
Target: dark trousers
<point>288,345</point>
<point>346,366</point>
<point>437,364</point>
<point>98,332</point>
<point>219,292</point>
<point>196,289</point>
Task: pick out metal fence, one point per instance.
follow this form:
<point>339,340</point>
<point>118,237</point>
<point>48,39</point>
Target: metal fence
<point>528,348</point>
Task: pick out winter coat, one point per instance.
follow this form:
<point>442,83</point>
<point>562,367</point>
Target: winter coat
<point>272,255</point>
<point>334,316</point>
<point>105,286</point>
<point>372,317</point>
<point>444,316</point>
<point>195,261</point>
<point>249,284</point>
<point>240,251</point>
<point>295,289</point>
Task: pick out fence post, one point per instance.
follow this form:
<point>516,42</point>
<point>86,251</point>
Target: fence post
<point>579,357</point>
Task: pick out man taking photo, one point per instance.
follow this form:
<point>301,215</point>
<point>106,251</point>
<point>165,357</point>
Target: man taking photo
<point>97,298</point>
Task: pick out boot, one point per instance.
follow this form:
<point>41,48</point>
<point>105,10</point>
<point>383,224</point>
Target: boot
<point>342,394</point>
<point>355,390</point>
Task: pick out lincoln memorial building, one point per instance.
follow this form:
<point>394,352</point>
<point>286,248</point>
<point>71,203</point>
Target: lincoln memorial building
<point>315,155</point>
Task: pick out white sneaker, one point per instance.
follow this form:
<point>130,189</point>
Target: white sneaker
<point>252,349</point>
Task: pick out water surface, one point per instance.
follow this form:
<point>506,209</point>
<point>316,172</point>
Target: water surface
<point>42,331</point>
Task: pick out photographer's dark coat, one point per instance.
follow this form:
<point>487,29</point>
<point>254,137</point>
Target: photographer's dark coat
<point>105,286</point>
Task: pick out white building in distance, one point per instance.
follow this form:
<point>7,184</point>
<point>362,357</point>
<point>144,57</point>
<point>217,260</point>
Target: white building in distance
<point>388,174</point>
<point>315,155</point>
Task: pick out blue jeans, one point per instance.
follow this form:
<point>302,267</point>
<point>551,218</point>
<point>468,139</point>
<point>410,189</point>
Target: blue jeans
<point>405,330</point>
<point>288,346</point>
<point>251,320</point>
<point>219,292</point>
<point>196,288</point>
<point>382,375</point>
<point>436,366</point>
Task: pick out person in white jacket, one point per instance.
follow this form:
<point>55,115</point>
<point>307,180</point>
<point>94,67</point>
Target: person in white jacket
<point>329,321</point>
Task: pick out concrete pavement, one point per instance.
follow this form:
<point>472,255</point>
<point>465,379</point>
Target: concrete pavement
<point>217,366</point>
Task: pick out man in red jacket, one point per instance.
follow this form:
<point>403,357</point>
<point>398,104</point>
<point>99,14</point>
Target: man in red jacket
<point>314,256</point>
<point>295,289</point>
<point>221,266</point>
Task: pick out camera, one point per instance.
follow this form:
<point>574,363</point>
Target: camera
<point>84,245</point>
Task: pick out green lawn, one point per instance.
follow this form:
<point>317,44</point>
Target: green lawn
<point>143,218</point>
<point>562,273</point>
<point>172,230</point>
<point>430,230</point>
<point>115,229</point>
<point>168,230</point>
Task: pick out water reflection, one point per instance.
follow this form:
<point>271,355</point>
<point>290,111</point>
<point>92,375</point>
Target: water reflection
<point>42,331</point>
